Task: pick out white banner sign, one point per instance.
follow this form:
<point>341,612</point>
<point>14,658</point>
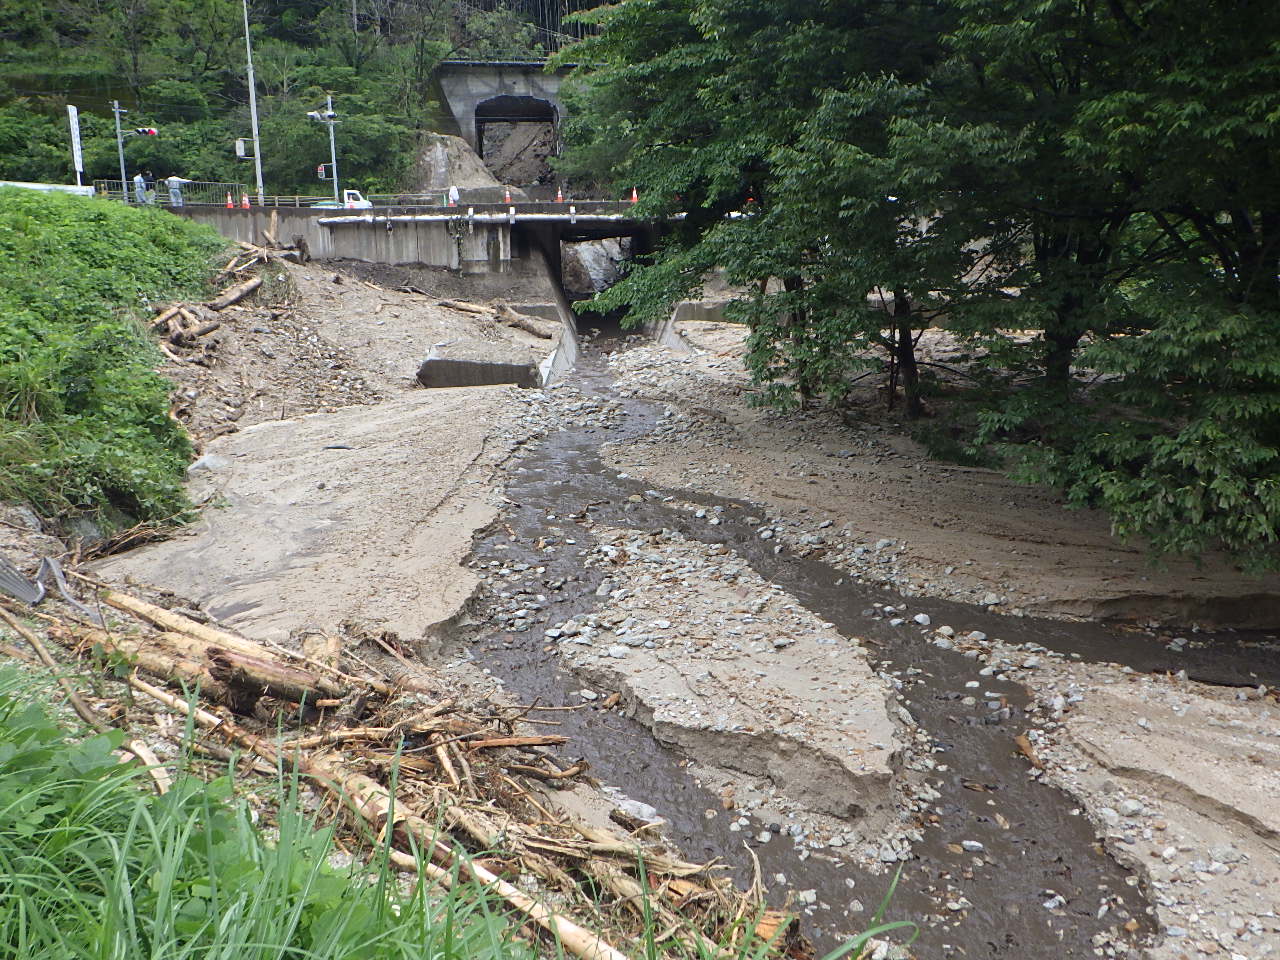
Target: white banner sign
<point>76,157</point>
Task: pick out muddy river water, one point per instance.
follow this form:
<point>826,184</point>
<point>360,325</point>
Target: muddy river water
<point>1039,885</point>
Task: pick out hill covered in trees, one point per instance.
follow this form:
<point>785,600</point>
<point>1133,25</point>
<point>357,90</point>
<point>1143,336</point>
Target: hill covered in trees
<point>179,65</point>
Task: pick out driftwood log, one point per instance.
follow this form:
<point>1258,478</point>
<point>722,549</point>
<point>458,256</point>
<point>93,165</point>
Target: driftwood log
<point>235,294</point>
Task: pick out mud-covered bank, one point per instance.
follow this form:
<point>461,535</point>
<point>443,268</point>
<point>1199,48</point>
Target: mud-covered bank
<point>992,859</point>
<point>860,491</point>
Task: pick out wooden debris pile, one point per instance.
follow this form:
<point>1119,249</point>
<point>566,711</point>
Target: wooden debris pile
<point>470,784</point>
<point>183,324</point>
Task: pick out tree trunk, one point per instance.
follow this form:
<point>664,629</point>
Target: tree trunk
<point>1060,351</point>
<point>905,353</point>
<point>797,323</point>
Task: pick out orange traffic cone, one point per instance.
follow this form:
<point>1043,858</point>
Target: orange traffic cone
<point>506,194</point>
<point>635,197</point>
<point>231,205</point>
<point>559,195</point>
<point>244,201</point>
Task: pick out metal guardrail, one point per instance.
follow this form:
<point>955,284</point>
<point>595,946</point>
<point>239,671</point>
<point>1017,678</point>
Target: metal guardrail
<point>198,193</point>
<point>203,192</point>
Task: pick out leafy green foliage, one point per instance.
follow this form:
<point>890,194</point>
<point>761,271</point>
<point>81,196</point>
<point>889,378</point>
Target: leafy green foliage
<point>94,865</point>
<point>1101,174</point>
<point>84,423</point>
<point>180,66</point>
<point>1180,440</point>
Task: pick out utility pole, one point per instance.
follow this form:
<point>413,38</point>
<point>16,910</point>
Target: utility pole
<point>327,116</point>
<point>253,105</point>
<point>124,180</point>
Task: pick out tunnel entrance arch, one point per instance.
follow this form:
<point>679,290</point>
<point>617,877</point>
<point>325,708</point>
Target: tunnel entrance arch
<point>504,85</point>
<point>512,109</point>
<point>516,137</point>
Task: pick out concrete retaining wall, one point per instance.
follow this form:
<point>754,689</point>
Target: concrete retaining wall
<point>480,247</point>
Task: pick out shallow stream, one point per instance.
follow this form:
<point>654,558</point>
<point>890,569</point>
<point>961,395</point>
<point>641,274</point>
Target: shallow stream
<point>1038,886</point>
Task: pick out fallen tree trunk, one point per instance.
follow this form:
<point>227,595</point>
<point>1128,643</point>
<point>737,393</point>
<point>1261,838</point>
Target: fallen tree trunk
<point>538,328</point>
<point>238,671</point>
<point>230,659</point>
<point>174,668</point>
<point>465,307</point>
<point>235,294</point>
<point>226,676</point>
<point>168,620</point>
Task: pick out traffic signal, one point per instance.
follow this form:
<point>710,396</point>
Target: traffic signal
<point>146,131</point>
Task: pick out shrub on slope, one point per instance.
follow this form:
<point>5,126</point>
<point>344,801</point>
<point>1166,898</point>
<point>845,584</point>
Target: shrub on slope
<point>84,425</point>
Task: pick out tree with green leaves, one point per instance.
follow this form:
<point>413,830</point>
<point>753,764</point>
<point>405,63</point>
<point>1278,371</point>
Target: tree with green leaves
<point>710,108</point>
<point>1102,174</point>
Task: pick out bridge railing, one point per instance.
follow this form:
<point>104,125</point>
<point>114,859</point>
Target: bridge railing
<point>193,191</point>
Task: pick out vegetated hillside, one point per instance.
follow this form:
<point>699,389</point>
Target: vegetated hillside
<point>180,67</point>
<point>84,424</point>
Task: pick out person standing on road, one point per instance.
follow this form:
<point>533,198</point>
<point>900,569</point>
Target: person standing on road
<point>150,179</point>
<point>175,183</point>
<point>139,188</point>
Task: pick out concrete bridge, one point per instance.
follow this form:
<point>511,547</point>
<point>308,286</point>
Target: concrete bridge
<point>502,91</point>
<point>478,238</point>
<point>518,240</point>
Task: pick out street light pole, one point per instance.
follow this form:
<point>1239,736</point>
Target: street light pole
<point>253,105</point>
<point>333,147</point>
<point>327,116</point>
<point>124,181</point>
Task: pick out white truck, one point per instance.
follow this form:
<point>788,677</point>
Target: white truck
<point>351,200</point>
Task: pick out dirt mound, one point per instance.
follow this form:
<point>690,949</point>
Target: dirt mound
<point>445,161</point>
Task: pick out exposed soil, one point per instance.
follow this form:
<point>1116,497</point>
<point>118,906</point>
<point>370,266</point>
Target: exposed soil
<point>445,161</point>
<point>866,497</point>
<point>363,511</point>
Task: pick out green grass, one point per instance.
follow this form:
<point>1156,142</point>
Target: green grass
<point>95,865</point>
<point>84,425</point>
